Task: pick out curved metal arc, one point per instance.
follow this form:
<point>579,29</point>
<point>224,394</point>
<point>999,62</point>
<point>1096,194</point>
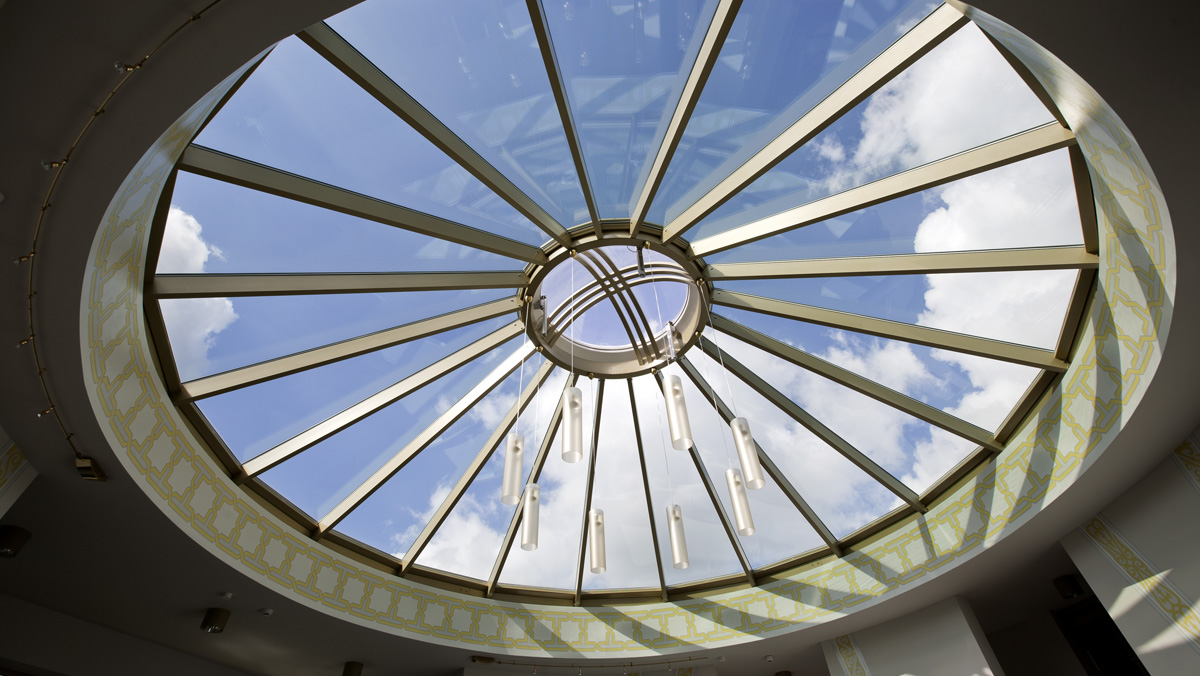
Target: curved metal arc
<point>621,287</point>
<point>596,298</point>
<point>669,272</point>
<point>617,301</point>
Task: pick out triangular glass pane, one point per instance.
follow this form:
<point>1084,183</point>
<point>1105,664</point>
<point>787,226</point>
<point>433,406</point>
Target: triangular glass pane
<point>395,514</point>
<point>620,493</point>
<point>624,64</point>
<point>298,113</point>
<point>256,418</point>
<point>781,58</point>
<point>479,70</point>
<point>1017,307</point>
<point>213,335</point>
<point>673,480</point>
<point>219,227</point>
<point>480,510</point>
<point>1025,204</point>
<point>321,476</point>
<point>961,95</point>
<point>782,532</point>
<point>554,563</point>
<point>979,390</point>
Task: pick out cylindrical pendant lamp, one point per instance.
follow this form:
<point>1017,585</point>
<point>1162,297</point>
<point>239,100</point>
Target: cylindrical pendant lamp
<point>596,540</point>
<point>679,552</point>
<point>747,453</point>
<point>741,506</point>
<point>514,462</point>
<point>677,417</point>
<point>529,518</point>
<point>572,424</point>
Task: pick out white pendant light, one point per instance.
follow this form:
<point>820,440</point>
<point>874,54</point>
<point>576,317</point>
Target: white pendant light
<point>747,453</point>
<point>572,424</point>
<point>741,506</point>
<point>529,518</point>
<point>679,552</point>
<point>596,540</point>
<point>514,454</point>
<point>677,417</point>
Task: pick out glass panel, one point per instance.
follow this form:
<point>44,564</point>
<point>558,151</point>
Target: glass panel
<point>320,477</point>
<point>673,480</point>
<point>620,493</point>
<point>256,418</point>
<point>624,64</point>
<point>215,226</point>
<point>479,69</point>
<point>1016,307</point>
<point>979,390</point>
<point>299,113</point>
<point>781,58</point>
<point>782,531</point>
<point>563,485</point>
<point>1026,204</point>
<point>960,95</point>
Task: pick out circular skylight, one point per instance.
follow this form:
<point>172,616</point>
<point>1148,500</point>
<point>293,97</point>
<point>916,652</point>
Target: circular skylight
<point>842,238</point>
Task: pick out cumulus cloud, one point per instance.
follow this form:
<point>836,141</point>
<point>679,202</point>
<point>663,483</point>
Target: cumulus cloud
<point>192,324</point>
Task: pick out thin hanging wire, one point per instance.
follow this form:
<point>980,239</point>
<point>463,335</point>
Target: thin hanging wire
<point>659,410</point>
<point>721,356</point>
<point>713,395</point>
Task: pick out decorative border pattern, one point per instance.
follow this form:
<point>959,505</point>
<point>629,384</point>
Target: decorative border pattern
<point>1120,348</point>
<point>12,460</point>
<point>1153,583</point>
<point>15,475</point>
<point>849,656</point>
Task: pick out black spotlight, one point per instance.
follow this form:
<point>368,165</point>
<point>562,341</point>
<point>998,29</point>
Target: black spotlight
<point>352,669</point>
<point>12,539</point>
<point>214,620</point>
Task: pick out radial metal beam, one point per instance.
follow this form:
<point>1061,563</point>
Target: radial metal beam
<point>730,530</point>
<point>911,333</point>
<point>234,285</point>
<point>795,412</point>
<point>915,408</point>
<point>587,499</point>
<point>903,52</point>
<point>1085,198</point>
<point>773,470</point>
<point>534,475</point>
<point>997,154</point>
<point>343,56</point>
<point>222,167</point>
<point>637,436</point>
<point>706,59</point>
<point>302,361</point>
<point>541,29</point>
<point>1006,260</point>
<point>374,403</point>
<point>422,440</point>
<point>473,469</point>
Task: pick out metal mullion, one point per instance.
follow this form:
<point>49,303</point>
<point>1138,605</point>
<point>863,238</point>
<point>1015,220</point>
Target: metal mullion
<point>911,333</point>
<point>637,435</point>
<point>327,354</point>
<point>1085,198</point>
<point>237,171</point>
<point>781,479</point>
<point>473,469</point>
<point>376,402</point>
<point>967,163</point>
<point>534,475</point>
<point>716,503</point>
<point>343,56</point>
<point>907,49</point>
<point>1069,332</point>
<point>587,499</point>
<point>426,437</point>
<point>1002,260</point>
<point>806,419</point>
<point>558,87</point>
<point>706,59</point>
<point>204,285</point>
<point>881,393</point>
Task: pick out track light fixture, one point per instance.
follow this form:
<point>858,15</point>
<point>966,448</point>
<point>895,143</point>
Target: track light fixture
<point>214,620</point>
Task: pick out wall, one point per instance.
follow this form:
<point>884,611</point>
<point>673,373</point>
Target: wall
<point>1035,646</point>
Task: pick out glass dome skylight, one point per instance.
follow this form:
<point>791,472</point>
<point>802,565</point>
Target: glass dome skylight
<point>414,226</point>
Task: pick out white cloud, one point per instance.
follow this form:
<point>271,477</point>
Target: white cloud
<point>192,323</point>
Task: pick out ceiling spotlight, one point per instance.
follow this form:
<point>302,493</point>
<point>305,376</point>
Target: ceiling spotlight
<point>266,612</point>
<point>482,659</point>
<point>352,669</point>
<point>214,620</point>
<point>12,539</point>
<point>88,469</point>
<point>768,658</point>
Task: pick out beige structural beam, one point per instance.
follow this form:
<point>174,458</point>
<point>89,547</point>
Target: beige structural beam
<point>590,487</point>
<point>233,285</point>
<point>637,437</point>
<point>911,46</point>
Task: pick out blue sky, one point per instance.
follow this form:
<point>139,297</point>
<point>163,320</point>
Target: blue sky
<point>481,73</point>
